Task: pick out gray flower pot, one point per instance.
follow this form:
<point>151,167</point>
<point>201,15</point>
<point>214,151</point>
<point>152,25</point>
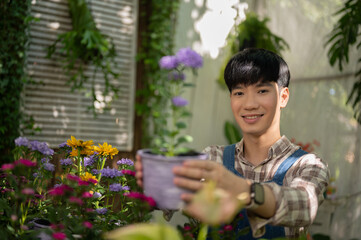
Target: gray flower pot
<point>158,178</point>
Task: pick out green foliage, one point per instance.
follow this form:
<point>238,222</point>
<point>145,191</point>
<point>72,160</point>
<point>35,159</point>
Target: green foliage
<point>232,132</point>
<point>13,38</point>
<point>252,32</point>
<point>157,41</point>
<point>85,45</point>
<point>346,33</point>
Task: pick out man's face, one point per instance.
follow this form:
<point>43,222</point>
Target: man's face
<point>257,107</point>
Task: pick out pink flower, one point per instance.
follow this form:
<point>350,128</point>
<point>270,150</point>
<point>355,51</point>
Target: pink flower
<point>87,195</point>
<point>142,197</point>
<point>76,200</point>
<point>60,190</point>
<point>28,191</point>
<point>7,166</point>
<point>73,178</point>
<point>83,183</point>
<point>187,228</point>
<point>59,236</point>
<point>25,162</point>
<point>57,226</point>
<point>88,210</point>
<point>91,180</point>
<point>228,228</point>
<point>128,172</point>
<point>87,224</point>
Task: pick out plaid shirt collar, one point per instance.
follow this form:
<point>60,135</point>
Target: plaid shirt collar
<point>275,150</point>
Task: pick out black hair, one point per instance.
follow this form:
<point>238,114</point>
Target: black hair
<point>253,65</point>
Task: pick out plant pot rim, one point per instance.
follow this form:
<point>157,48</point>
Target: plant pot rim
<point>145,153</point>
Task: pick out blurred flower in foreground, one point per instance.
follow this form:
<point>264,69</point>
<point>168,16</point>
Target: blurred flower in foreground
<point>215,206</point>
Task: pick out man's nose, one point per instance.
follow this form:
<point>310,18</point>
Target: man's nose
<point>250,101</point>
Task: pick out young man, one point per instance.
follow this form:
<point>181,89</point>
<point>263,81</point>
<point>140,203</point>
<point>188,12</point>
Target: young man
<point>286,184</point>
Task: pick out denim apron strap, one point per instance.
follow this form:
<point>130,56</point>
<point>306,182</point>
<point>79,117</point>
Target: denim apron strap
<point>229,162</point>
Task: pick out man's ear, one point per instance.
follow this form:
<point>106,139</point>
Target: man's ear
<point>284,96</point>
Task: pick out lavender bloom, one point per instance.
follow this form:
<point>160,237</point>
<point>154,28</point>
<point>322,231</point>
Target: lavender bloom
<point>66,162</point>
<point>179,101</point>
<point>115,187</point>
<point>88,161</point>
<point>101,210</point>
<point>176,76</point>
<point>44,160</point>
<point>110,172</point>
<point>49,166</point>
<point>168,62</point>
<point>189,58</point>
<point>22,141</point>
<point>64,144</point>
<point>95,171</point>
<point>41,147</point>
<point>97,195</point>
<point>125,161</point>
<point>126,188</point>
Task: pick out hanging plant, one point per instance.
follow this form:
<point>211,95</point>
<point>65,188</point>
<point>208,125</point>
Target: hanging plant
<point>84,45</point>
<point>252,33</point>
<point>346,33</point>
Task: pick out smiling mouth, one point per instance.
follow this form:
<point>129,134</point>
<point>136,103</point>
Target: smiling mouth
<point>253,116</point>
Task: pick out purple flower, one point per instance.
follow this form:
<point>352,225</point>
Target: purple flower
<point>179,101</point>
<point>110,172</point>
<point>64,144</point>
<point>22,141</point>
<point>101,210</point>
<point>125,161</point>
<point>168,62</point>
<point>176,75</point>
<point>66,162</point>
<point>49,166</point>
<point>97,195</point>
<point>189,58</point>
<point>41,147</point>
<point>88,161</point>
<point>95,171</point>
<point>126,188</point>
<point>115,187</point>
<point>44,160</point>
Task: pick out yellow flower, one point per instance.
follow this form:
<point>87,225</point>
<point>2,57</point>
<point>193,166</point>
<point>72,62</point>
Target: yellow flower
<point>106,150</point>
<point>74,152</point>
<point>87,176</point>
<point>73,142</point>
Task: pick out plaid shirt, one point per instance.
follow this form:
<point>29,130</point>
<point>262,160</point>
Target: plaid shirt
<point>298,199</point>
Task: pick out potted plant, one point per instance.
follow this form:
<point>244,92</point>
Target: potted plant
<point>167,150</point>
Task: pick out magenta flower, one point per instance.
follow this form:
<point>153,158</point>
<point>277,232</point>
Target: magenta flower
<point>25,162</point>
<point>87,195</point>
<point>141,197</point>
<point>83,183</point>
<point>179,101</point>
<point>60,190</point>
<point>7,166</point>
<point>228,228</point>
<point>168,62</point>
<point>128,172</point>
<point>76,200</point>
<point>87,224</point>
<point>28,191</point>
<point>73,178</point>
<point>59,236</point>
<point>189,58</point>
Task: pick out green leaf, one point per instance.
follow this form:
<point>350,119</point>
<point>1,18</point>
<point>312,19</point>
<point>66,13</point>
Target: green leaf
<point>181,125</point>
<point>232,133</point>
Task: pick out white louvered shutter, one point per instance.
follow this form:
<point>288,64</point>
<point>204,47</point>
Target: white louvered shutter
<point>61,113</point>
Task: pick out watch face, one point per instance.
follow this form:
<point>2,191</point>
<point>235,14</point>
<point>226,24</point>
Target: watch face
<point>258,194</point>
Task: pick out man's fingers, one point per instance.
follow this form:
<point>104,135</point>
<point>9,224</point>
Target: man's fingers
<point>189,172</point>
<point>190,184</point>
<point>187,197</point>
<point>203,164</point>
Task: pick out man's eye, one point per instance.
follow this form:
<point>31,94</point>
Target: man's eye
<point>238,93</point>
<point>263,91</point>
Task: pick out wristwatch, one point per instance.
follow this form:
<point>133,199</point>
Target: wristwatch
<point>257,196</point>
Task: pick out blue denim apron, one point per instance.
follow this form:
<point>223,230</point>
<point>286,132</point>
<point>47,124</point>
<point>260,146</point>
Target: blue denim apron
<point>228,162</point>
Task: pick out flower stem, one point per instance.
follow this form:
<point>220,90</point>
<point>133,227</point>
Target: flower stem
<point>202,232</point>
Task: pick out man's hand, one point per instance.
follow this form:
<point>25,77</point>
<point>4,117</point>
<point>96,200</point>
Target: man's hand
<point>139,170</point>
<point>190,174</point>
